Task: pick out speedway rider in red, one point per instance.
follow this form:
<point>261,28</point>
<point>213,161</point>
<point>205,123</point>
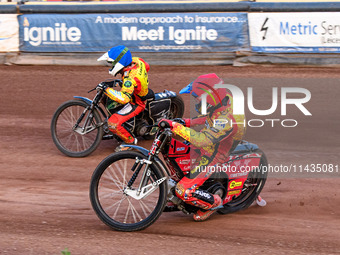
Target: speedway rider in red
<point>134,73</point>
<point>222,132</point>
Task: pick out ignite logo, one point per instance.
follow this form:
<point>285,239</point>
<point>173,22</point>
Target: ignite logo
<point>264,28</point>
<point>59,34</point>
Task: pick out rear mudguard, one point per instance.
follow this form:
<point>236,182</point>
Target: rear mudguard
<point>165,94</point>
<point>89,102</point>
<point>245,147</point>
<point>245,154</point>
<point>244,158</point>
<point>145,152</point>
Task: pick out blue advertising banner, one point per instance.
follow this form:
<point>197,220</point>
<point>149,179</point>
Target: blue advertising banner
<point>316,32</point>
<point>148,32</point>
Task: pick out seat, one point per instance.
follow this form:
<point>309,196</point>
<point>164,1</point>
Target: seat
<point>150,96</point>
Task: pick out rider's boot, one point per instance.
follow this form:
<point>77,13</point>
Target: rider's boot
<point>202,215</point>
<point>125,134</point>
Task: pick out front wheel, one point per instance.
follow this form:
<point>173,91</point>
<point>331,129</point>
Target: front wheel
<point>76,140</point>
<point>113,192</point>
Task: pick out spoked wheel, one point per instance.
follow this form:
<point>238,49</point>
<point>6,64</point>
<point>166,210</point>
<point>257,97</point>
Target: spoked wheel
<point>72,140</point>
<point>118,205</point>
<point>251,189</point>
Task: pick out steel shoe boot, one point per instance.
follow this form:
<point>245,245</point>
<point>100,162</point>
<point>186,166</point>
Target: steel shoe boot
<point>203,215</point>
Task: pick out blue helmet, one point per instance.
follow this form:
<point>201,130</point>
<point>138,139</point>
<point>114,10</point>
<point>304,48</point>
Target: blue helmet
<point>119,57</point>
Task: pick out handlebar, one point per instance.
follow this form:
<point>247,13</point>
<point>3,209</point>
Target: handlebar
<point>91,90</point>
<point>163,125</point>
<point>113,83</point>
<point>109,83</point>
<point>151,126</point>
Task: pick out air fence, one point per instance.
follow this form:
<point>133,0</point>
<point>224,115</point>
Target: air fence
<point>172,33</point>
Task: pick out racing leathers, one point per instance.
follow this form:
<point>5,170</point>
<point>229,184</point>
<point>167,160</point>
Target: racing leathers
<point>222,132</point>
<point>134,88</point>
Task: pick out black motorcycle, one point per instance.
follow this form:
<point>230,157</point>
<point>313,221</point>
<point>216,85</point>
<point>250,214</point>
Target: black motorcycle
<point>79,125</point>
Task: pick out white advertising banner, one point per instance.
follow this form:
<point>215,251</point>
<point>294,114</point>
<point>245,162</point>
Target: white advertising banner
<point>295,32</point>
<point>9,33</point>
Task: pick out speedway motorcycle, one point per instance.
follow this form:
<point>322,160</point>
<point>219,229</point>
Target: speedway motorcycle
<point>129,190</point>
<point>79,125</point>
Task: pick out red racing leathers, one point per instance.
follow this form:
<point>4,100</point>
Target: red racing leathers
<point>134,88</point>
<point>222,133</point>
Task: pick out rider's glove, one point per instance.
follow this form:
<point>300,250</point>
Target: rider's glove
<point>163,123</point>
<point>101,86</point>
<point>184,122</point>
<point>180,121</point>
<point>119,82</point>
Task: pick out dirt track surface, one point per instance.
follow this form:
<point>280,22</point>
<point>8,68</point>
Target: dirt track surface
<point>44,202</point>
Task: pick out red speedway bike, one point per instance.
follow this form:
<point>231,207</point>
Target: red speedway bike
<point>130,189</point>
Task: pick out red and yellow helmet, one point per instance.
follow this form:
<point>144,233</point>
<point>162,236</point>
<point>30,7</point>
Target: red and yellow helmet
<point>205,86</point>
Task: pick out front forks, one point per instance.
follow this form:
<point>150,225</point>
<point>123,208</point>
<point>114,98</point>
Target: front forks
<point>82,130</point>
<point>87,127</point>
<point>145,176</point>
<point>143,189</point>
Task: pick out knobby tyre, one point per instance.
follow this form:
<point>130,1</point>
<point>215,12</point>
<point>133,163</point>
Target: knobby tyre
<point>69,141</point>
<point>116,209</point>
<point>177,107</point>
<point>256,181</point>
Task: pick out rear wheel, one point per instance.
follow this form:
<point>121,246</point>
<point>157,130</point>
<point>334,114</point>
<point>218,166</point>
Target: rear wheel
<point>118,208</point>
<point>252,188</point>
<point>176,111</point>
<point>77,141</point>
<point>176,107</point>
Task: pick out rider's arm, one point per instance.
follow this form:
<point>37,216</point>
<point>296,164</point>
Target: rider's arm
<point>124,95</point>
<point>207,137</point>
